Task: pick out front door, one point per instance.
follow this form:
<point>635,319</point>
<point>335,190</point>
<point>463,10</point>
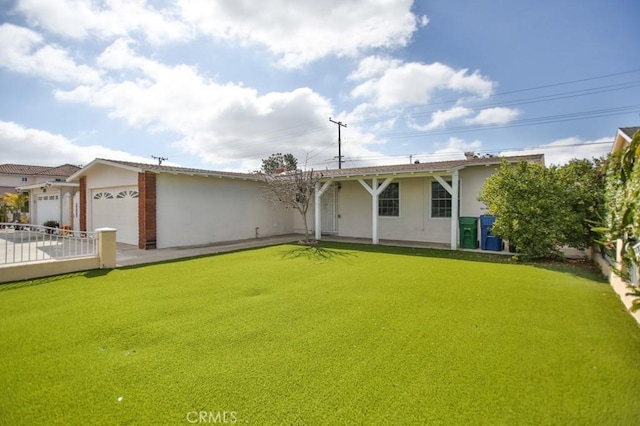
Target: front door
<point>329,211</point>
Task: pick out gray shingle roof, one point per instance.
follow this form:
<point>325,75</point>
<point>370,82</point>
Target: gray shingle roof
<point>439,166</point>
<point>630,131</point>
<point>181,170</point>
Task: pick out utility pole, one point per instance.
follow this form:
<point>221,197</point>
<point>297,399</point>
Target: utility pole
<point>339,123</point>
<point>160,159</point>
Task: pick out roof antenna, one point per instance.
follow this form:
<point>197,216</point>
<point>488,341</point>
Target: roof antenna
<point>160,159</point>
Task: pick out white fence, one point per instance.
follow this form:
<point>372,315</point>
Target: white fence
<point>29,243</point>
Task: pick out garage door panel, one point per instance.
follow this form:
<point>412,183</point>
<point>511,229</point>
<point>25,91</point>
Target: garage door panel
<point>117,208</point>
<point>48,208</point>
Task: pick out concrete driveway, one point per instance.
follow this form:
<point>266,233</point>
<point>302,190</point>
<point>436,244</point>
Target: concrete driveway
<point>127,254</point>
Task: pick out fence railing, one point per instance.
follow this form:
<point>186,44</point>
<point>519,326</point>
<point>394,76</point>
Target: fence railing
<point>28,243</point>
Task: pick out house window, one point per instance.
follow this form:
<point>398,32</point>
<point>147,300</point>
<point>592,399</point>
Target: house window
<point>25,179</point>
<point>389,201</point>
<point>440,200</point>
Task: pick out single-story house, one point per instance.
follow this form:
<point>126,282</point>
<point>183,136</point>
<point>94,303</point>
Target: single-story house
<point>156,206</point>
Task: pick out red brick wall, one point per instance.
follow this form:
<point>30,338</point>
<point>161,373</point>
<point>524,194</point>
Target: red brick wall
<point>83,203</point>
<point>147,210</point>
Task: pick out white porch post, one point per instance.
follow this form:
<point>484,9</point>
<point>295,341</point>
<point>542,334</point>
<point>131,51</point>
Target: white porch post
<point>453,190</point>
<point>374,190</point>
<point>454,210</point>
<point>374,211</point>
<point>318,207</point>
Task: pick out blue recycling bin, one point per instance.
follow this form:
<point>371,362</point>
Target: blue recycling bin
<point>487,240</point>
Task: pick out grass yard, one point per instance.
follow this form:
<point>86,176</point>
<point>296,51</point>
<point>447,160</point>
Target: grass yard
<point>382,336</point>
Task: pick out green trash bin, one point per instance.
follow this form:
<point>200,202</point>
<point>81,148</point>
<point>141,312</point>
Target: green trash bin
<point>468,232</point>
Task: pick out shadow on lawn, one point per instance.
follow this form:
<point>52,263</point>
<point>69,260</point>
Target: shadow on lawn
<point>52,279</point>
<point>315,252</point>
<point>580,268</point>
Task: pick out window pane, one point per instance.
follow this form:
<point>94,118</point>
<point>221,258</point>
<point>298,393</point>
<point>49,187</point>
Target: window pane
<point>389,200</point>
<point>440,200</point>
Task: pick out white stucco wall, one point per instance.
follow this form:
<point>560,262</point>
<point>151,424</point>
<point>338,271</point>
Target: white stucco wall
<point>195,210</point>
<point>16,180</point>
<point>472,179</point>
<point>415,222</point>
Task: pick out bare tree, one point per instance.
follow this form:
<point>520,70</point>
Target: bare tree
<point>293,189</point>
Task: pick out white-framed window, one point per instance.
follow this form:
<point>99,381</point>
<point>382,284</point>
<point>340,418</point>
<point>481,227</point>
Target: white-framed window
<point>440,200</point>
<point>24,179</point>
<point>389,201</point>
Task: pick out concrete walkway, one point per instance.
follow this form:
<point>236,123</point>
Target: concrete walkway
<point>128,255</point>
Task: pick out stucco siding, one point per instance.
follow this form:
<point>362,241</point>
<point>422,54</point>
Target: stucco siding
<point>103,176</point>
<point>195,210</point>
<point>415,222</point>
<point>471,181</point>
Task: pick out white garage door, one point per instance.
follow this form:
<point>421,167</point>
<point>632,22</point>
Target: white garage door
<point>116,208</point>
<point>48,208</point>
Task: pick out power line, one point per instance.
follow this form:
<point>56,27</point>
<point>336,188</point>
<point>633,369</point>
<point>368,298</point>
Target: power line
<point>487,151</point>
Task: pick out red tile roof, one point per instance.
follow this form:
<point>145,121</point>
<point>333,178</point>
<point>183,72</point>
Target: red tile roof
<point>64,170</point>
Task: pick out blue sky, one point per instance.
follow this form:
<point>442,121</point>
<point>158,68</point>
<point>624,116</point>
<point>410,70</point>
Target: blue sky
<point>222,84</point>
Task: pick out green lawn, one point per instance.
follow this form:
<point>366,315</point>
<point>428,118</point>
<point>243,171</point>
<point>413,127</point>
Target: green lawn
<point>382,336</point>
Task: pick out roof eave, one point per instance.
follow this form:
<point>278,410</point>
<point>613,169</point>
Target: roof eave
<point>97,161</point>
<point>48,184</point>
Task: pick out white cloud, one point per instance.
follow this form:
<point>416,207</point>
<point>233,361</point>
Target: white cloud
<point>415,83</point>
<point>23,50</point>
<point>497,115</point>
<point>218,122</point>
<point>440,118</point>
<point>373,66</point>
<point>561,151</point>
<point>79,19</point>
<point>42,148</point>
<point>305,30</point>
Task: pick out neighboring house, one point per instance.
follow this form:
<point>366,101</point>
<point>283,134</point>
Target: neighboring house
<point>161,206</point>
<point>47,188</point>
<point>623,138</point>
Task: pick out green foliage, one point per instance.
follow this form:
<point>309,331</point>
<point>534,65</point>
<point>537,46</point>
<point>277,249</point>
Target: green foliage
<point>15,203</point>
<point>541,209</point>
<point>583,187</point>
<point>278,161</point>
<point>622,201</point>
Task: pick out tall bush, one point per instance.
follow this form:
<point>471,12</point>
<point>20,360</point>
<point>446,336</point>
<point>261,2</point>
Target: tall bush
<point>541,209</point>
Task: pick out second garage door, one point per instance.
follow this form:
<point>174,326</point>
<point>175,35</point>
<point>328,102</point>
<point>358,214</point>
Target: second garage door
<point>116,208</point>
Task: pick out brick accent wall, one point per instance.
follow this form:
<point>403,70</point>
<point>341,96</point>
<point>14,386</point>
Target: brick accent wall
<point>83,203</point>
<point>147,210</point>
